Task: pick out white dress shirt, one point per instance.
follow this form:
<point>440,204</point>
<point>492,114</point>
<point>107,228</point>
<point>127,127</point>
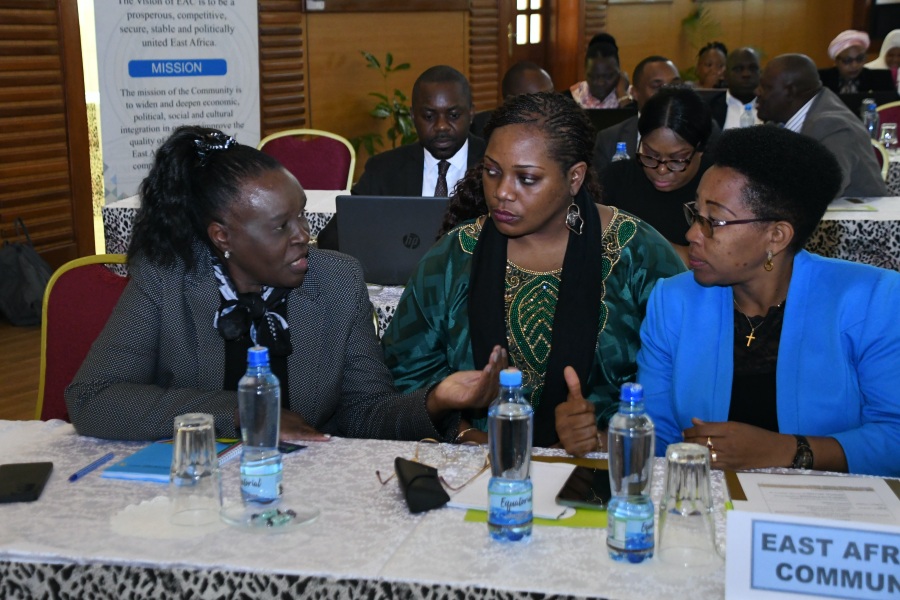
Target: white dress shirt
<point>734,110</point>
<point>457,170</point>
<point>795,123</point>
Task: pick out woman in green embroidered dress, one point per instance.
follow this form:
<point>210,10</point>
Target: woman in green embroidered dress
<point>529,261</point>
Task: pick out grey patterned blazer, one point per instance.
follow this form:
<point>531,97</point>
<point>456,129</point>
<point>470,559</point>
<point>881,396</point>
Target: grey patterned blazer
<point>159,356</point>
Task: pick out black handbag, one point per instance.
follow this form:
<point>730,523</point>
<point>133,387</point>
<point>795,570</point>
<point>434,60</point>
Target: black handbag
<point>420,485</point>
<point>23,279</point>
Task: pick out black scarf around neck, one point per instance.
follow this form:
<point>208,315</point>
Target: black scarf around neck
<point>252,314</point>
<point>575,322</point>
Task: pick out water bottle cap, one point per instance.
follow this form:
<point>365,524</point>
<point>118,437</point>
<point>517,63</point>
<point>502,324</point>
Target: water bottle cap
<point>748,106</point>
<point>631,392</point>
<point>258,356</point>
<point>620,147</point>
<point>510,377</point>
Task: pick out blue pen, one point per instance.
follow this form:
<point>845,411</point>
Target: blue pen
<point>91,467</point>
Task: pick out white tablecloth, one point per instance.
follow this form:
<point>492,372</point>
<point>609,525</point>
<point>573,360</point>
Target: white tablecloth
<point>365,540</point>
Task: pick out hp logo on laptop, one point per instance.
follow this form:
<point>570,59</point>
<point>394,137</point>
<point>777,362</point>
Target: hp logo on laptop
<point>411,241</point>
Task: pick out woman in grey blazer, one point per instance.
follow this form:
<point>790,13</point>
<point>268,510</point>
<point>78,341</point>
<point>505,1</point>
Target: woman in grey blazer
<point>219,261</point>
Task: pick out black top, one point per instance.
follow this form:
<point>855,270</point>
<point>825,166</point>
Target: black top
<point>236,362</point>
<point>869,80</point>
<point>625,185</point>
<point>753,388</point>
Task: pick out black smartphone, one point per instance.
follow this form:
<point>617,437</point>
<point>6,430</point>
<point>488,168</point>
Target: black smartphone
<point>287,447</point>
<point>23,482</point>
<point>586,488</point>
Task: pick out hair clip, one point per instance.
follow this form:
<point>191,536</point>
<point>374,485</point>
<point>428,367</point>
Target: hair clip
<point>215,141</point>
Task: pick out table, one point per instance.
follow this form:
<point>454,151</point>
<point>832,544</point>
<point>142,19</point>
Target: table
<point>98,538</point>
<point>867,237</point>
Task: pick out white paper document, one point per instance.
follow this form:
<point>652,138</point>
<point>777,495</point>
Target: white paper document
<point>865,499</point>
<point>547,479</point>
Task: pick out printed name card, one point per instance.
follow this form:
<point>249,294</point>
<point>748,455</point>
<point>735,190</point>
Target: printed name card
<point>778,556</point>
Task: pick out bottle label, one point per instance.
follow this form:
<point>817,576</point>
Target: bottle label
<point>261,486</point>
<point>630,533</point>
<point>511,503</point>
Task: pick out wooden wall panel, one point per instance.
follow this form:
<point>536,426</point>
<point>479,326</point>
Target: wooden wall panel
<point>44,166</point>
<point>484,60</point>
<point>340,83</point>
<point>283,68</point>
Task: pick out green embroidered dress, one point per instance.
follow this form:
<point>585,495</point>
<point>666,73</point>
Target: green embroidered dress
<point>428,338</point>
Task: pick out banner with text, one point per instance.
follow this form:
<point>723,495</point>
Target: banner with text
<point>165,63</point>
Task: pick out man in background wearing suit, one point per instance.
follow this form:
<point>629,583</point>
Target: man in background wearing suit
<point>442,113</point>
<point>524,77</point>
<point>649,75</point>
<point>790,93</point>
<point>742,77</point>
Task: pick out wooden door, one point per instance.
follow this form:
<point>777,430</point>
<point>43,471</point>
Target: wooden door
<point>523,35</point>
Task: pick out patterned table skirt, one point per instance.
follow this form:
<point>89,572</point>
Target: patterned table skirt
<point>865,241</point>
<point>124,582</point>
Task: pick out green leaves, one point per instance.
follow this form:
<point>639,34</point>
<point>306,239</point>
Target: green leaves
<point>393,107</point>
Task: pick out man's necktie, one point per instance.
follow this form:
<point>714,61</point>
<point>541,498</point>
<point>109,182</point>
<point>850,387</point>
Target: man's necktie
<point>441,188</point>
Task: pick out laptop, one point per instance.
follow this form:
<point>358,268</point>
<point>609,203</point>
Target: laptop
<point>602,118</point>
<point>388,234</point>
<point>854,101</point>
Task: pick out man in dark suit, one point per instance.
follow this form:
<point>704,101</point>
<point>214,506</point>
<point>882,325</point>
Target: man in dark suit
<point>442,113</point>
<point>649,75</point>
<point>790,93</point>
<point>848,75</point>
<point>742,77</point>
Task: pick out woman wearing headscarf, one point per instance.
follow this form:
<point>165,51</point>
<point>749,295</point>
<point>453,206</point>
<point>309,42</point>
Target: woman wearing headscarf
<point>890,55</point>
<point>765,353</point>
<point>848,75</point>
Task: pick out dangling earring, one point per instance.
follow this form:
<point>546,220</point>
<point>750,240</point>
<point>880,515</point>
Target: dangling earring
<point>769,265</point>
<point>227,254</point>
<point>574,222</point>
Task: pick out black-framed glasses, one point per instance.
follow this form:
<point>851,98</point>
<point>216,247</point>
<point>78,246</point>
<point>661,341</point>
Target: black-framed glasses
<point>458,464</point>
<point>707,225</point>
<point>676,165</point>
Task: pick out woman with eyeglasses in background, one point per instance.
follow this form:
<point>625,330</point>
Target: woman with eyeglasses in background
<point>674,127</point>
<point>769,355</point>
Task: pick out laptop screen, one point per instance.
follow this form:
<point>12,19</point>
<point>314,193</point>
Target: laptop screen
<point>388,234</point>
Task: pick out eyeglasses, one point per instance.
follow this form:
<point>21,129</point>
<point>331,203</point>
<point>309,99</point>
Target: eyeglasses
<point>676,165</point>
<point>707,225</point>
<point>458,465</point>
<point>849,60</point>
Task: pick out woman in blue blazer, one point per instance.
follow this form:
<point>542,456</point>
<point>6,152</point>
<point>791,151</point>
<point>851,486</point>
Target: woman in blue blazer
<point>771,356</point>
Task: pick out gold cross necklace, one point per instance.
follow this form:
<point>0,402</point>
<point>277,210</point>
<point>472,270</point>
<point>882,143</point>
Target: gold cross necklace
<point>753,328</point>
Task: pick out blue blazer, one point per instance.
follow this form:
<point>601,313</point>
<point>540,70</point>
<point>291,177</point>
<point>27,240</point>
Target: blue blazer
<point>838,371</point>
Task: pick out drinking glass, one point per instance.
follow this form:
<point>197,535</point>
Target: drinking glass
<point>195,489</point>
<point>889,136</point>
<point>687,534</point>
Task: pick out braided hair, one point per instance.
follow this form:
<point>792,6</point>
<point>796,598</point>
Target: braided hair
<point>569,136</point>
<point>196,174</point>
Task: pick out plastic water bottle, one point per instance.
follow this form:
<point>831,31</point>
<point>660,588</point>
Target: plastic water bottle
<point>630,511</point>
<point>621,152</point>
<point>870,117</point>
<point>259,403</point>
<point>748,119</point>
<point>510,425</point>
